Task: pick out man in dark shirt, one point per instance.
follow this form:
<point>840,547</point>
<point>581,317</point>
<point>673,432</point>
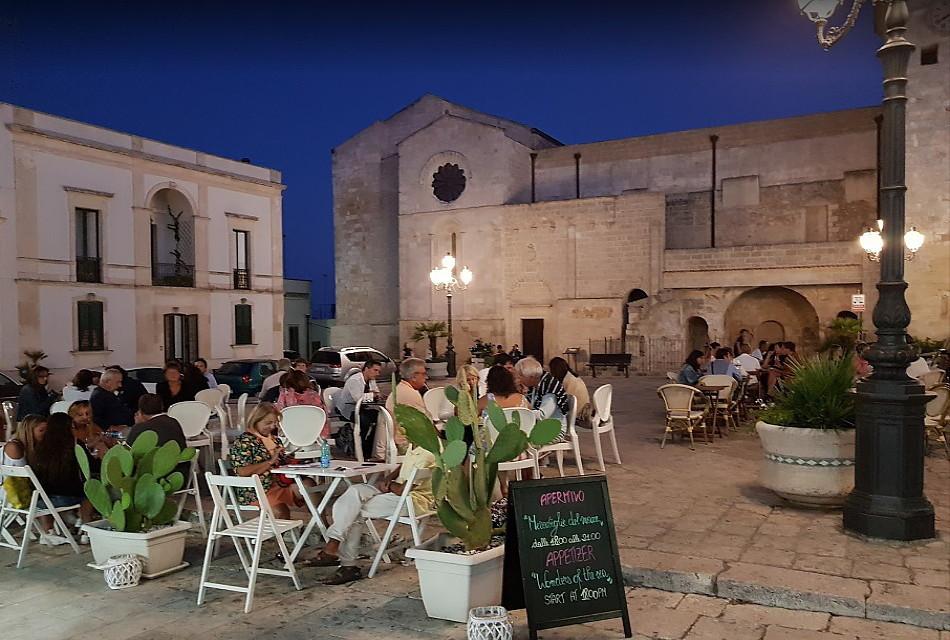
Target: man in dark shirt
<point>131,389</point>
<point>108,411</point>
<point>151,417</point>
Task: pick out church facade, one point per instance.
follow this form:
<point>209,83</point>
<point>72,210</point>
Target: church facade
<point>653,244</point>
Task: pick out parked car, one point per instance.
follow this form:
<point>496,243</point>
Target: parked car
<point>331,366</point>
<point>245,376</point>
<point>9,388</point>
<point>148,376</point>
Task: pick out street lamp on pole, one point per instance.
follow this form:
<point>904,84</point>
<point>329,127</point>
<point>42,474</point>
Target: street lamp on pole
<point>443,279</point>
<point>888,498</point>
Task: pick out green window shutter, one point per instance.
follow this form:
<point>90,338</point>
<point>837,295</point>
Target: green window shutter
<point>242,324</point>
<point>91,332</point>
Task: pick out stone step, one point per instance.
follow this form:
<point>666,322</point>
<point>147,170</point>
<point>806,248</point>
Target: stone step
<point>788,588</point>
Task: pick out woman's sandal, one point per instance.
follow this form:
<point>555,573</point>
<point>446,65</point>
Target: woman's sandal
<point>321,560</point>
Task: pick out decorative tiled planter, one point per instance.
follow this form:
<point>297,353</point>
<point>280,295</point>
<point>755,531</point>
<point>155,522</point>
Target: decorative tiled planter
<point>808,467</point>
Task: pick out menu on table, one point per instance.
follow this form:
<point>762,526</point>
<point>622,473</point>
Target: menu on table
<point>561,558</point>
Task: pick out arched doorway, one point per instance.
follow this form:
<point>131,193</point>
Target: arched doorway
<point>697,333</point>
<point>850,315</point>
<point>635,295</point>
<point>172,239</point>
<point>777,313</point>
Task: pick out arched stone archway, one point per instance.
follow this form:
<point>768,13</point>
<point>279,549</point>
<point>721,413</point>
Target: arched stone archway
<point>776,313</point>
<point>172,238</point>
<point>636,294</point>
<point>850,315</point>
<point>697,333</point>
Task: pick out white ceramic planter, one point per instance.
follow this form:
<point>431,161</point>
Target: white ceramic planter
<point>437,369</point>
<point>809,467</point>
<point>452,584</point>
<point>162,549</point>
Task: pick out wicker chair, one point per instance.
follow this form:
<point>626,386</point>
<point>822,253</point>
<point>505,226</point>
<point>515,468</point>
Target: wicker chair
<point>937,417</point>
<point>681,414</point>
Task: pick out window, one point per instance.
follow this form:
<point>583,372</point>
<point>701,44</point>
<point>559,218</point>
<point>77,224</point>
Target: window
<point>87,246</point>
<point>293,338</point>
<point>181,336</point>
<point>242,324</point>
<point>928,55</point>
<point>89,314</point>
<point>242,275</point>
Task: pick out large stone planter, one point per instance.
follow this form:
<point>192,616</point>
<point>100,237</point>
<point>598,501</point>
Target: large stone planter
<point>452,584</point>
<point>808,467</point>
<point>437,369</point>
<point>161,549</point>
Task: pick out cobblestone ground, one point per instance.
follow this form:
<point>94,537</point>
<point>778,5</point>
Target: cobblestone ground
<point>688,521</point>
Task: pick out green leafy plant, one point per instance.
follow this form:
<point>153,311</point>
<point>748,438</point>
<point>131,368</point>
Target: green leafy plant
<point>842,332</point>
<point>816,396</point>
<point>133,494</point>
<point>463,495</point>
<point>430,331</point>
<point>931,345</point>
<point>33,358</point>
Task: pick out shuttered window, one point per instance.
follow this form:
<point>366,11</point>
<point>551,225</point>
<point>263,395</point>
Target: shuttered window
<point>89,316</point>
<point>242,324</point>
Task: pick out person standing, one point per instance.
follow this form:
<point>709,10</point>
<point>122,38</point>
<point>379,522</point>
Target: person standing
<point>515,353</point>
<point>35,397</point>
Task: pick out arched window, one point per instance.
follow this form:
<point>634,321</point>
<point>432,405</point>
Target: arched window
<point>847,314</point>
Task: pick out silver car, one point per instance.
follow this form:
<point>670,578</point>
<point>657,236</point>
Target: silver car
<point>331,366</point>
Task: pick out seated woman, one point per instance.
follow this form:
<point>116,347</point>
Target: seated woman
<point>54,463</point>
<point>35,396</point>
<point>295,390</point>
<point>467,378</point>
<point>692,368</point>
<point>80,388</point>
<point>257,451</point>
<point>173,388</point>
<point>574,386</point>
<point>503,390</point>
<point>89,434</point>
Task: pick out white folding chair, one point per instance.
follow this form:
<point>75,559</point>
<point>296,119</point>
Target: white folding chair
<point>302,425</point>
<point>527,419</point>
<point>404,513</point>
<point>191,489</point>
<point>253,532</point>
<point>10,514</point>
<point>357,436</point>
<point>242,412</point>
<point>329,403</point>
<point>60,406</point>
<point>193,417</point>
<point>232,503</point>
<point>602,422</point>
<point>9,417</point>
<point>438,405</point>
<point>386,423</point>
<point>211,397</point>
<point>572,444</point>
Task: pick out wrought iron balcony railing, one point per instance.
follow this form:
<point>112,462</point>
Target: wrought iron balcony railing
<point>242,279</point>
<point>170,274</point>
<point>88,269</point>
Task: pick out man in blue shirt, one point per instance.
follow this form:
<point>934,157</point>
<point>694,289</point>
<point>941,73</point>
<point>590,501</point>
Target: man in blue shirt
<point>722,365</point>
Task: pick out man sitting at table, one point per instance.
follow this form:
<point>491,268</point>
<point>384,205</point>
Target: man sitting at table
<point>413,374</point>
<point>108,411</point>
<point>377,500</point>
<point>356,387</point>
<point>723,366</point>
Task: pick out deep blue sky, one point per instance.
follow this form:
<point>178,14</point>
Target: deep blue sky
<point>284,83</point>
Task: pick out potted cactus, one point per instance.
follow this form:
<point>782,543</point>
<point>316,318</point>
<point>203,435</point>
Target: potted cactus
<point>453,583</point>
<point>134,496</point>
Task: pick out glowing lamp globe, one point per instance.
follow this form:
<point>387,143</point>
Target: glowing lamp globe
<point>819,10</point>
<point>913,240</point>
<point>448,261</point>
<point>467,275</point>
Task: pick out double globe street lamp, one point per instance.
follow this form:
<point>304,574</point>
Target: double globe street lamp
<point>888,497</point>
<point>873,243</point>
<point>443,279</point>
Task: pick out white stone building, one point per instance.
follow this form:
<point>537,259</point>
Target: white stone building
<point>119,249</point>
<point>666,240</point>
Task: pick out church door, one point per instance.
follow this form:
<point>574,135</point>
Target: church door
<point>532,335</point>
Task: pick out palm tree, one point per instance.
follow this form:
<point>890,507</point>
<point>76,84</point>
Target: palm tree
<point>430,331</point>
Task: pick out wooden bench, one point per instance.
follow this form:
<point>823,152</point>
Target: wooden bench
<point>608,360</point>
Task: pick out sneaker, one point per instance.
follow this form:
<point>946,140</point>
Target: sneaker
<point>84,538</point>
<point>50,538</point>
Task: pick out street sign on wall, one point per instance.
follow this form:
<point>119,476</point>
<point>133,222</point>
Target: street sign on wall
<point>857,303</point>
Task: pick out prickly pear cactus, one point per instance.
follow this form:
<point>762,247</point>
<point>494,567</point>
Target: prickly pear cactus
<point>134,488</point>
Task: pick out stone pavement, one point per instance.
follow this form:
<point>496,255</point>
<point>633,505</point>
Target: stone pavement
<point>697,521</point>
<point>692,523</point>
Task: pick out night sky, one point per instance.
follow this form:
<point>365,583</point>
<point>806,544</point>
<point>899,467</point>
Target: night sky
<point>284,83</point>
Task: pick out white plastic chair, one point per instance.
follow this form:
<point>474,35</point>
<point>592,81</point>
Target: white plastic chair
<point>191,489</point>
<point>404,513</point>
<point>438,406</point>
<point>302,425</point>
<point>9,417</point>
<point>527,419</point>
<point>193,417</point>
<point>571,444</point>
<point>225,390</point>
<point>329,402</point>
<point>211,397</point>
<point>232,503</point>
<point>602,422</point>
<point>357,436</point>
<point>60,406</point>
<point>242,412</point>
<point>9,514</point>
<point>253,532</point>
<point>386,423</point>
<point>931,378</point>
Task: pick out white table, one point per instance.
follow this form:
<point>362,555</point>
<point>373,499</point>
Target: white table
<point>338,471</point>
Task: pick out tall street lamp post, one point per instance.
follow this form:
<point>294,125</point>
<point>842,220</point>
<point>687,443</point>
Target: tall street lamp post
<point>888,498</point>
<point>443,279</point>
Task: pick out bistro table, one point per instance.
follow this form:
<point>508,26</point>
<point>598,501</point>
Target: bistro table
<point>711,391</point>
<point>338,471</point>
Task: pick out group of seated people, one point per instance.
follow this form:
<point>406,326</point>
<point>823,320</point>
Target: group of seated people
<point>764,367</point>
<point>47,445</point>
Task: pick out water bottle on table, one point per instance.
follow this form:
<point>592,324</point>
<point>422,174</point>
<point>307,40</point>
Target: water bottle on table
<point>325,454</point>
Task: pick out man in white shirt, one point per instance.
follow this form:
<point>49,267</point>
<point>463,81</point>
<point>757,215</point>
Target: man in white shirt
<point>271,381</point>
<point>746,362</point>
<point>759,352</point>
<point>356,385</point>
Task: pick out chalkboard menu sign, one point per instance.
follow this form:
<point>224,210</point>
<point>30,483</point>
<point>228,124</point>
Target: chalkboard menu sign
<point>561,559</point>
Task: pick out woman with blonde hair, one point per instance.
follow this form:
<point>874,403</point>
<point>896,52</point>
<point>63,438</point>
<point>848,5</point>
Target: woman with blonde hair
<point>467,379</point>
<point>257,451</point>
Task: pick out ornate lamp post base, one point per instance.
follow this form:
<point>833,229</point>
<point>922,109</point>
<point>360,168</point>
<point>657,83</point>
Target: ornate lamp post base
<point>888,500</point>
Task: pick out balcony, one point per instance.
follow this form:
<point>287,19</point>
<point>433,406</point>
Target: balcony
<point>242,279</point>
<point>88,269</point>
<point>170,274</point>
